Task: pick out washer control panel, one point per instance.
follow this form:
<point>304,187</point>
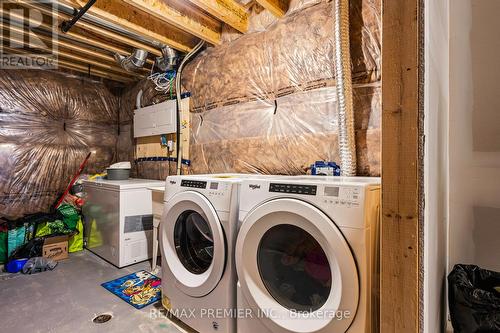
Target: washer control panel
<point>293,188</point>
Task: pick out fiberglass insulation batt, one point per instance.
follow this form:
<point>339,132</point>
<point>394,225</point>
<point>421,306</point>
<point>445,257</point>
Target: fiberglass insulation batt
<point>265,101</point>
<point>48,124</point>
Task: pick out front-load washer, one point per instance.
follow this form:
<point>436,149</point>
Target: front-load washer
<point>197,236</point>
<point>307,255</point>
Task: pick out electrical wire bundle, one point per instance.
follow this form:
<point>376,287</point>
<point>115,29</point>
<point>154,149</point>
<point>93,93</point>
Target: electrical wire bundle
<point>164,81</point>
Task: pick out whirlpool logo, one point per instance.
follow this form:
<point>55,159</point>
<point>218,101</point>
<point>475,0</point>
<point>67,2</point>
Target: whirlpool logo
<point>173,182</point>
<point>254,186</point>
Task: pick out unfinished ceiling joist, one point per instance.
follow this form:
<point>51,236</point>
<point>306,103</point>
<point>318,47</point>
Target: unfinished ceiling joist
<point>277,7</point>
<point>136,22</point>
<point>79,68</point>
<point>82,59</point>
<point>92,55</point>
<point>228,11</point>
<point>71,35</point>
<point>94,29</point>
<point>167,14</point>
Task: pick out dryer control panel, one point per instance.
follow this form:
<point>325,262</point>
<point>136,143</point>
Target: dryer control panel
<point>293,188</point>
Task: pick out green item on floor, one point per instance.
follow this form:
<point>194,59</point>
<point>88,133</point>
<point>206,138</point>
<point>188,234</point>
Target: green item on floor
<point>95,236</point>
<point>43,229</point>
<point>71,216</point>
<point>75,243</point>
<point>15,238</point>
<point>3,246</point>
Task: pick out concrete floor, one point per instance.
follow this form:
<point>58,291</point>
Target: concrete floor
<point>68,298</point>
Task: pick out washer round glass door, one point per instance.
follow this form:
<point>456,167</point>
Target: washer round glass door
<point>305,277</point>
<point>193,243</point>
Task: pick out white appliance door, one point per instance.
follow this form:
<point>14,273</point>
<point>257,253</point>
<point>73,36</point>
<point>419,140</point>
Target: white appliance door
<point>193,243</point>
<point>296,269</point>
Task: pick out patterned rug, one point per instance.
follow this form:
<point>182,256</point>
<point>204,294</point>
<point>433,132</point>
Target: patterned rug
<point>137,289</point>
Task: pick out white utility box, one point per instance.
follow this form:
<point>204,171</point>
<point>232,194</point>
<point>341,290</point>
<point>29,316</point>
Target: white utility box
<point>118,217</point>
<point>156,119</point>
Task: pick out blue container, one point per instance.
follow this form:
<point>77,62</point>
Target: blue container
<point>322,168</point>
<point>15,266</point>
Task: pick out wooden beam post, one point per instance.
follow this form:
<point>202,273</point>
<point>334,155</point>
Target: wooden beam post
<point>401,225</point>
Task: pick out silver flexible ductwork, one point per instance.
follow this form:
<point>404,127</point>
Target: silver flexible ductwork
<point>169,59</point>
<point>186,59</point>
<point>347,138</point>
<point>134,61</point>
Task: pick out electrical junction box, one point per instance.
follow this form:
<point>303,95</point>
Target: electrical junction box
<point>156,119</point>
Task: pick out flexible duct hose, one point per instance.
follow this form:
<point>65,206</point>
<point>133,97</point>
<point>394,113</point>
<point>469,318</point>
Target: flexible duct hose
<point>178,94</point>
<point>347,139</point>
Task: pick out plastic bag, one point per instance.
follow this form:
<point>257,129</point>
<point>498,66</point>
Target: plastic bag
<point>474,302</point>
<point>75,243</point>
<point>38,264</point>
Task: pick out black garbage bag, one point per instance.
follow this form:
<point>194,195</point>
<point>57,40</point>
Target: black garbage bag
<point>474,299</point>
<point>29,250</point>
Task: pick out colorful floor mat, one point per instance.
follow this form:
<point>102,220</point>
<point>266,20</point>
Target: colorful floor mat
<point>137,289</point>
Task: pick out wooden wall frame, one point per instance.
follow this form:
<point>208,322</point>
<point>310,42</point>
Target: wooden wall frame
<point>401,308</point>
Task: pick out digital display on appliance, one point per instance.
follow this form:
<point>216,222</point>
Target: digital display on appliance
<point>293,188</point>
<point>214,185</point>
<point>193,183</point>
<point>332,191</point>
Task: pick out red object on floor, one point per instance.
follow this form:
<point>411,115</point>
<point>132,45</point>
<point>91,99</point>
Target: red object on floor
<point>73,180</point>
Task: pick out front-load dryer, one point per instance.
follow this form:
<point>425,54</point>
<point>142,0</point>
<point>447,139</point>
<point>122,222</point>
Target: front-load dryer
<point>197,236</point>
<point>306,255</point>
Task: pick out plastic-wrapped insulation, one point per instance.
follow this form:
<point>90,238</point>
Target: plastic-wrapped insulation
<point>347,138</point>
<point>178,78</point>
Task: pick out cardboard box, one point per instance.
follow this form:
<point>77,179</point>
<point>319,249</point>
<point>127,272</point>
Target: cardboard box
<point>56,248</point>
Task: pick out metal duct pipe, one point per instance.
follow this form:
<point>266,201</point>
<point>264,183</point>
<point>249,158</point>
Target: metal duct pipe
<point>134,61</point>
<point>347,139</point>
<point>169,59</point>
<point>188,57</point>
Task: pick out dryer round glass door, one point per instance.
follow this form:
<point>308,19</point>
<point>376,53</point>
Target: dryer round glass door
<point>305,277</point>
<point>193,243</point>
<point>294,268</point>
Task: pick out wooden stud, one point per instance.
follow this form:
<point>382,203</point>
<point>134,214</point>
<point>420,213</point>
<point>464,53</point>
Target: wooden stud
<point>277,7</point>
<point>228,11</point>
<point>165,13</point>
<point>137,22</point>
<point>401,219</point>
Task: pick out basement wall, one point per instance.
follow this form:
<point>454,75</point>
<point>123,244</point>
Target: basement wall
<point>48,123</point>
<point>265,101</point>
<point>437,63</point>
<point>474,216</point>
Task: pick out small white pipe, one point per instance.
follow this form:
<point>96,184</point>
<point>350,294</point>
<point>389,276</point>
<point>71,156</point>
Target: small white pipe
<point>178,94</point>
